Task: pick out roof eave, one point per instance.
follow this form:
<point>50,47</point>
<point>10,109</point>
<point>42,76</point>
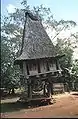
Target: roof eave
<point>17,61</point>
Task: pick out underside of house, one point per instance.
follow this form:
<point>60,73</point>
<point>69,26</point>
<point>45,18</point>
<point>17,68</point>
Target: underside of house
<point>40,70</point>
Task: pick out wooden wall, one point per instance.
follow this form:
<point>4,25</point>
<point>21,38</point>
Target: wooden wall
<point>52,66</point>
<point>43,67</point>
<point>24,68</point>
<point>33,67</point>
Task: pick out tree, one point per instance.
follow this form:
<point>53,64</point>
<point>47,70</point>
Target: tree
<point>63,47</point>
<point>74,74</point>
<point>9,78</point>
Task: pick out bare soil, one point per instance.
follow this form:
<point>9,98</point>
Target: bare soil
<point>66,105</point>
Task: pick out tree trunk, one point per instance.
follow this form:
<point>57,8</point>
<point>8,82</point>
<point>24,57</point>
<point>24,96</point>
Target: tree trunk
<point>13,92</point>
<point>9,91</point>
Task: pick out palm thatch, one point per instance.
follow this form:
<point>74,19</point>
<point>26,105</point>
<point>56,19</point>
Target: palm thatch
<point>36,43</point>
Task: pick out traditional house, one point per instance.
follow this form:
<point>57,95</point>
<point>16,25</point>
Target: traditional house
<point>39,62</point>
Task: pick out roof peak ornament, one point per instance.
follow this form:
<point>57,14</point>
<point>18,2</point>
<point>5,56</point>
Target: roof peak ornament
<point>31,15</point>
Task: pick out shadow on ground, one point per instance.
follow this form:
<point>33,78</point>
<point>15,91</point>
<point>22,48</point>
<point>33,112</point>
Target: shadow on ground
<point>74,94</point>
<point>12,106</point>
<point>17,106</point>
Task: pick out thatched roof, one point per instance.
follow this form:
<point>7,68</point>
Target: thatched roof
<point>36,43</point>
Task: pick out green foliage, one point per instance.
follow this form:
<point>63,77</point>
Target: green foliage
<point>75,71</point>
<point>9,78</point>
<point>63,47</point>
<point>74,74</point>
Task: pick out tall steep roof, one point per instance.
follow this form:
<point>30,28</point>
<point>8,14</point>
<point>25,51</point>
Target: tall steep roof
<point>36,42</point>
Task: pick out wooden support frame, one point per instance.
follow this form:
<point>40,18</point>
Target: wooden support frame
<point>44,90</point>
<point>29,89</point>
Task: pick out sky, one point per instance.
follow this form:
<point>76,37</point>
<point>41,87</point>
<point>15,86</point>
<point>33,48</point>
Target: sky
<point>61,9</point>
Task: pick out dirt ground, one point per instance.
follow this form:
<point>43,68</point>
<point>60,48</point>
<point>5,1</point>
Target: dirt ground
<point>66,105</point>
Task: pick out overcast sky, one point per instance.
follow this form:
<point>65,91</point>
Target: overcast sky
<point>61,9</point>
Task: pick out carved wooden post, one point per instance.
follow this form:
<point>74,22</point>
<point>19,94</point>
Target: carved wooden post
<point>29,89</point>
<point>44,90</point>
<point>50,86</point>
<point>57,64</point>
<point>49,89</point>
